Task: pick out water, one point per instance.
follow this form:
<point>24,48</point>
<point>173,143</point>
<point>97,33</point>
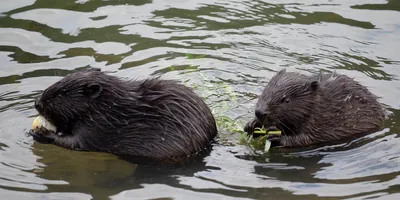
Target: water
<point>227,50</point>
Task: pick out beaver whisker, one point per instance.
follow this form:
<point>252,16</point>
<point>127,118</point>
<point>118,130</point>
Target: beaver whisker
<point>283,124</point>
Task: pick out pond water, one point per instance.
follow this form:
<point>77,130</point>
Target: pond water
<point>227,51</point>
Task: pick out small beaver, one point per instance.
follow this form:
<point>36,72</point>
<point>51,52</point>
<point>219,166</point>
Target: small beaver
<point>315,109</point>
<point>153,119</point>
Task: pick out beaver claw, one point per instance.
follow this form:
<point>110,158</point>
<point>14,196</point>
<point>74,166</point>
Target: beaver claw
<point>275,140</point>
<point>272,128</point>
<point>43,137</point>
<point>251,125</point>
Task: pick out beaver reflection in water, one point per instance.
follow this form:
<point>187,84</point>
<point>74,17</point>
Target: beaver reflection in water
<point>315,109</point>
<point>154,119</point>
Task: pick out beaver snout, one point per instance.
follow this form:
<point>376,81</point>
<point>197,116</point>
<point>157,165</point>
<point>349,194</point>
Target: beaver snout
<point>261,114</point>
<point>38,104</point>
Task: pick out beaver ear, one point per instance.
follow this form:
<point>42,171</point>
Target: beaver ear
<point>93,90</point>
<point>282,71</point>
<point>314,85</point>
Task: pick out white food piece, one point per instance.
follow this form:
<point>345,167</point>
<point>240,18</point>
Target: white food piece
<point>267,145</point>
<point>40,121</point>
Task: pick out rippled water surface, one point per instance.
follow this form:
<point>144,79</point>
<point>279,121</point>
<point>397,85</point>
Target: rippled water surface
<point>227,51</point>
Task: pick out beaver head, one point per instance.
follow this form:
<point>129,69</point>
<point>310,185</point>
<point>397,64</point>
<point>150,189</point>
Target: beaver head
<point>71,98</point>
<point>287,101</point>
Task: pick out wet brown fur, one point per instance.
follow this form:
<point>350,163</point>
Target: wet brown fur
<point>316,109</point>
<point>155,119</point>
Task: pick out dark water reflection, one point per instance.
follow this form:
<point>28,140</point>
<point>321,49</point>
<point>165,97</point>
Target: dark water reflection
<point>236,46</point>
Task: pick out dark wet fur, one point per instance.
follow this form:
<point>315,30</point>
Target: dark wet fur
<point>156,119</point>
<point>316,109</point>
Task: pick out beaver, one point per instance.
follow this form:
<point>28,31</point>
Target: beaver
<point>314,109</point>
<point>152,119</point>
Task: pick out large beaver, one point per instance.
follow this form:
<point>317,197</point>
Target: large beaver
<point>315,109</point>
<point>154,119</point>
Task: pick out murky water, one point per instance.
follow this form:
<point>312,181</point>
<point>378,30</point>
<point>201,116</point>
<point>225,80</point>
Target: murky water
<point>227,50</point>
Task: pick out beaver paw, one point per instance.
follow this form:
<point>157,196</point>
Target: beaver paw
<point>43,136</point>
<point>275,139</point>
<point>251,125</point>
<point>272,128</point>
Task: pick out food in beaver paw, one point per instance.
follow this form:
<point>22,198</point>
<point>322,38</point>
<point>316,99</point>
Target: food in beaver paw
<point>41,125</point>
<point>264,131</point>
<point>267,145</point>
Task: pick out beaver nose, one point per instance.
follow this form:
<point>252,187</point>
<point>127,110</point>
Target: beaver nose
<point>260,114</point>
<point>38,104</point>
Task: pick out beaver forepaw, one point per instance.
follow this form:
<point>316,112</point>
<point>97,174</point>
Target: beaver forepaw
<point>47,137</point>
<point>272,128</point>
<point>251,125</point>
<point>276,140</point>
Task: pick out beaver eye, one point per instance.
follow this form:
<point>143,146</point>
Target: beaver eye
<point>285,100</point>
<point>62,93</point>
